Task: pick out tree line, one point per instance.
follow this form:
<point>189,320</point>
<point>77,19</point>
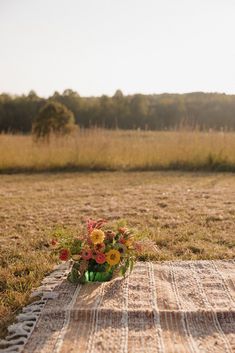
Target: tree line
<point>151,112</point>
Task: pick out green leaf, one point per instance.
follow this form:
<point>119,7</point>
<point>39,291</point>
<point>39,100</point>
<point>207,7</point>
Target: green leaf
<point>76,247</point>
<point>123,269</point>
<point>131,265</point>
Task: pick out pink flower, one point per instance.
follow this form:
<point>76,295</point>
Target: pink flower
<point>89,242</point>
<point>91,225</point>
<point>100,258</point>
<point>86,254</point>
<point>64,255</point>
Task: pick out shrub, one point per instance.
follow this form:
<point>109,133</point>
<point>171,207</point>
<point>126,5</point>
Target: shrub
<point>54,118</point>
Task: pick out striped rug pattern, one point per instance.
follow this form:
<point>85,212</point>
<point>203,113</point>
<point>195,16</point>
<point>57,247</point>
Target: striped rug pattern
<point>169,307</point>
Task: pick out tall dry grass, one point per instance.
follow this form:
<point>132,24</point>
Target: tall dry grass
<point>99,149</point>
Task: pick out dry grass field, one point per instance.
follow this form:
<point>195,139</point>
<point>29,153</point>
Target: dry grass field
<point>189,216</point>
<point>120,150</point>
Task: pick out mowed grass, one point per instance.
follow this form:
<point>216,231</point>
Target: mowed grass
<point>189,216</point>
<point>97,149</point>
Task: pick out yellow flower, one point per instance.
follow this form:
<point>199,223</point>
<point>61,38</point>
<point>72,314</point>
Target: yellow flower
<point>129,242</point>
<point>113,257</point>
<point>97,236</point>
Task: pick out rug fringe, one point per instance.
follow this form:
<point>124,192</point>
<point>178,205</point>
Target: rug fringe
<point>20,332</point>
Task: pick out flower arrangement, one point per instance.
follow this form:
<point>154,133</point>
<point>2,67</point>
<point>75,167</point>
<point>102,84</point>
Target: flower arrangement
<point>98,253</point>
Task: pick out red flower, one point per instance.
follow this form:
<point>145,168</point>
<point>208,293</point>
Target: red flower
<point>99,247</point>
<point>86,254</point>
<point>122,240</point>
<point>100,258</point>
<point>110,235</point>
<point>64,254</point>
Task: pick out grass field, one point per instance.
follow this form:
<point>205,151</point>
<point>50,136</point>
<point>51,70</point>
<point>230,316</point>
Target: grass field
<point>120,150</point>
<point>189,216</point>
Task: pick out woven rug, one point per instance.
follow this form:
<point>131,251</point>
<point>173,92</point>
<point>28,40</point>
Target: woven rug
<point>165,307</point>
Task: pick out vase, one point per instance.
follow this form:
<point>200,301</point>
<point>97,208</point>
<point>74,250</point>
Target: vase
<point>93,276</point>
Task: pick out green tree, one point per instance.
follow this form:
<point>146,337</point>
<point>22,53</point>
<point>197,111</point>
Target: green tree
<point>139,110</point>
<point>54,118</point>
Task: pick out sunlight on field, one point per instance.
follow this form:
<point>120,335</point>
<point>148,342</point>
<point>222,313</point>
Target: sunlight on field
<point>190,216</point>
<point>121,150</point>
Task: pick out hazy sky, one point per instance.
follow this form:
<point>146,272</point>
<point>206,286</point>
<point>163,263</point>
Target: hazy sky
<point>98,46</point>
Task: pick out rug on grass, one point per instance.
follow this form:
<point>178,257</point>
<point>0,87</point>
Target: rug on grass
<point>171,307</point>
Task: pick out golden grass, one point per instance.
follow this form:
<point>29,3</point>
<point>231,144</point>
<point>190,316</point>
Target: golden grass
<point>99,149</point>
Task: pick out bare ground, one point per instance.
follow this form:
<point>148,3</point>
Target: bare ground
<point>190,216</point>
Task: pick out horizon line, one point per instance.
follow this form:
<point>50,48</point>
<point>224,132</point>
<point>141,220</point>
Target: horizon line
<point>110,96</point>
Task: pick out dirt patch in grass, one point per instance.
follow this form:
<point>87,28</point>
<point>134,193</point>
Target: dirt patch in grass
<point>190,216</point>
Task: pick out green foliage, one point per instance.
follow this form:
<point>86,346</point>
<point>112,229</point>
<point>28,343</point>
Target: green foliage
<point>202,111</point>
<point>54,117</point>
<point>76,246</point>
<point>17,113</point>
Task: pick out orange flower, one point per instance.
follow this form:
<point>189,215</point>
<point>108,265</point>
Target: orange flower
<point>122,230</point>
<point>130,241</point>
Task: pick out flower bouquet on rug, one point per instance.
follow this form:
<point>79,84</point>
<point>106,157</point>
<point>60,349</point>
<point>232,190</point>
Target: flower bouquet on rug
<point>100,252</point>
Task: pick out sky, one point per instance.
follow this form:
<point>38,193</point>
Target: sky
<point>98,46</point>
